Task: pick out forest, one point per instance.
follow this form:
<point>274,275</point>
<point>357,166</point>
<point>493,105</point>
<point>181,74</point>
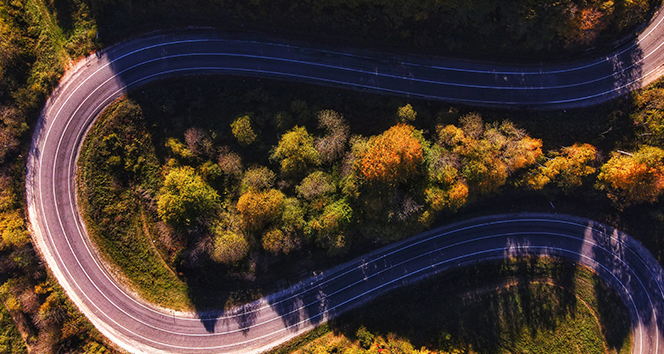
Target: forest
<point>344,177</point>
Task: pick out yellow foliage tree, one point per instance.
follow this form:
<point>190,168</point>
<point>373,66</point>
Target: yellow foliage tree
<point>489,153</point>
<point>296,151</point>
<point>567,167</point>
<point>452,198</point>
<point>391,156</point>
<point>242,130</point>
<point>13,230</point>
<point>258,208</point>
<point>633,178</point>
<point>276,241</point>
<point>229,247</point>
<point>406,113</point>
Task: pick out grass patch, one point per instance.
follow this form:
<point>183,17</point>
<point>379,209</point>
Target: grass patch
<point>116,218</point>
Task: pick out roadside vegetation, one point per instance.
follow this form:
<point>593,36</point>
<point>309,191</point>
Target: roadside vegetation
<point>36,46</point>
<point>514,306</point>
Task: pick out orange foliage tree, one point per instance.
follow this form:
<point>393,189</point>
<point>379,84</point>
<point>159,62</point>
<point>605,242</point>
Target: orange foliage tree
<point>392,156</point>
<point>633,178</point>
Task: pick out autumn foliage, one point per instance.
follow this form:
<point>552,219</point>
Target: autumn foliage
<point>488,153</point>
<point>258,208</point>
<point>633,178</point>
<point>296,151</point>
<point>567,167</point>
<point>391,156</point>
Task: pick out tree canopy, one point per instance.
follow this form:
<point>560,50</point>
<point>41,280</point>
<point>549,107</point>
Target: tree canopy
<point>489,152</point>
<point>567,167</point>
<point>242,130</point>
<point>229,247</point>
<point>392,156</point>
<point>184,197</point>
<point>259,208</point>
<point>296,151</point>
<point>633,178</point>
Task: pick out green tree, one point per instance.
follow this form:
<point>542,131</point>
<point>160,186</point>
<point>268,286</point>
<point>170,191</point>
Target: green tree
<point>179,149</point>
<point>292,218</point>
<point>184,197</point>
<point>330,224</point>
<point>296,151</point>
<point>242,130</point>
<point>648,113</point>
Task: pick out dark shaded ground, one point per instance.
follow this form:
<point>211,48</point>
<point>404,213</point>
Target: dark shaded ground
<point>487,306</point>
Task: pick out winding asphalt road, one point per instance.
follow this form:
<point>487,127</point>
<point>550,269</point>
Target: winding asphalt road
<point>139,327</point>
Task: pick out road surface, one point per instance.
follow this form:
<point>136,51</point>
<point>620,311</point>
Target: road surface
<point>139,327</point>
